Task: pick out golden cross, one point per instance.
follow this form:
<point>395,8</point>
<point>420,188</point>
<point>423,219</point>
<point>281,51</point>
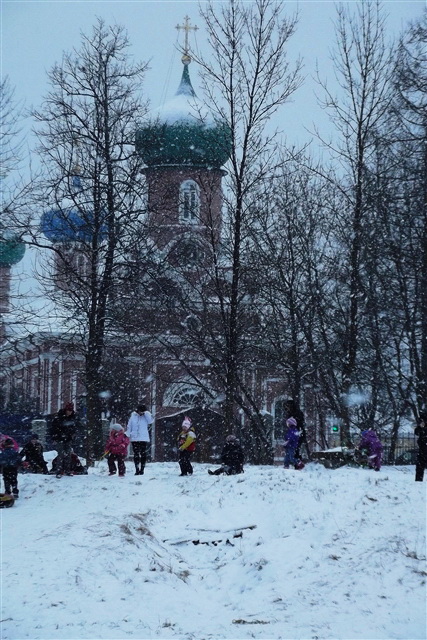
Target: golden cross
<point>186,28</point>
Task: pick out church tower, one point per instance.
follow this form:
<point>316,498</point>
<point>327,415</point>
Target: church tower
<point>184,146</point>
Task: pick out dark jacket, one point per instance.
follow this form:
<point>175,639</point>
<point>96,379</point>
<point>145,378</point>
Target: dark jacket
<point>232,456</point>
<point>421,433</point>
<point>33,454</point>
<point>9,458</point>
<point>64,427</point>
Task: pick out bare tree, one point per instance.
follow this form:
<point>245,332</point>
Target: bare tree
<point>363,69</point>
<point>91,193</point>
<point>246,80</point>
<point>10,141</point>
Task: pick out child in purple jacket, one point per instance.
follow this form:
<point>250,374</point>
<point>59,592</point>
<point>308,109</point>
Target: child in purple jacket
<point>373,447</point>
<point>291,442</point>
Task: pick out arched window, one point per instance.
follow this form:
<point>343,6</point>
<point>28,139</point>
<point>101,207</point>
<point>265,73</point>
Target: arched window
<point>186,394</point>
<point>189,202</point>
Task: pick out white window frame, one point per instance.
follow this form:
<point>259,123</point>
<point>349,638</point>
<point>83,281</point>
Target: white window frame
<point>189,202</point>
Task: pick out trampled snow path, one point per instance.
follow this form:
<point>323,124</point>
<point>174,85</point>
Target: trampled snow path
<point>333,554</point>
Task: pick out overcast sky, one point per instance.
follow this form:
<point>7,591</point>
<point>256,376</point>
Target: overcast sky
<point>36,32</point>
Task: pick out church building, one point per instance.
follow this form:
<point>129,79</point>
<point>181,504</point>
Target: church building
<point>184,150</point>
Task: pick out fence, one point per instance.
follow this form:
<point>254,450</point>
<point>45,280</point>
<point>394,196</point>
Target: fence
<point>405,451</point>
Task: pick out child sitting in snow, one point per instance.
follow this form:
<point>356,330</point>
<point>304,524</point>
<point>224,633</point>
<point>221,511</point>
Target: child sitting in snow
<point>116,448</point>
<point>373,447</point>
<point>32,451</point>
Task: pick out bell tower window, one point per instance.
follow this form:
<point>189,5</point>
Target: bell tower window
<point>189,202</point>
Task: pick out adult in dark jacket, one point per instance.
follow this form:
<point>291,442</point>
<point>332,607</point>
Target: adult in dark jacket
<point>293,411</point>
<point>32,451</point>
<point>64,427</point>
<point>232,458</point>
<point>421,433</point>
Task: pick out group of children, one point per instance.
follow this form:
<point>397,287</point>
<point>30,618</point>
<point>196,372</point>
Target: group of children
<point>31,459</point>
<point>137,435</point>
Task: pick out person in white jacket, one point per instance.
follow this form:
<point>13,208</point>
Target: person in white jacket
<point>137,430</point>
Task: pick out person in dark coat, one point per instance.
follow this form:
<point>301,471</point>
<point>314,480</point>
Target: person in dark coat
<point>373,447</point>
<point>32,451</point>
<point>293,411</point>
<point>421,433</point>
<point>64,427</point>
<point>232,458</point>
<point>9,463</point>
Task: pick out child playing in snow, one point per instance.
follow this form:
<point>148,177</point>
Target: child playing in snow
<point>232,458</point>
<point>291,443</point>
<point>9,462</point>
<point>32,451</point>
<point>373,447</point>
<point>117,447</point>
<point>186,446</point>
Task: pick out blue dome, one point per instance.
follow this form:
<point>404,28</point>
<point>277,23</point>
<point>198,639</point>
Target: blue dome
<point>69,225</point>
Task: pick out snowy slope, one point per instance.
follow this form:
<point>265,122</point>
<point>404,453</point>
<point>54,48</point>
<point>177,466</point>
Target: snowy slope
<point>332,554</point>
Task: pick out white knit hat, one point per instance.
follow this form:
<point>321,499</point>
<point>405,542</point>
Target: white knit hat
<point>116,427</point>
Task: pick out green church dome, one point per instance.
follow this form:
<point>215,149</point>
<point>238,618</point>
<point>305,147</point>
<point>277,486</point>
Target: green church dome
<point>12,251</point>
<point>184,132</point>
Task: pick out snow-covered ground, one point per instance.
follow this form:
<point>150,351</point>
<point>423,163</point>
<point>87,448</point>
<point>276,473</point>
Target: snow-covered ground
<point>336,554</point>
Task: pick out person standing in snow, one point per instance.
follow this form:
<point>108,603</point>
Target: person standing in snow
<point>186,445</point>
<point>293,411</point>
<point>9,463</point>
<point>292,437</point>
<point>117,448</point>
<point>232,458</point>
<point>421,433</point>
<point>137,430</point>
<point>32,451</point>
<point>373,447</point>
<point>64,427</point>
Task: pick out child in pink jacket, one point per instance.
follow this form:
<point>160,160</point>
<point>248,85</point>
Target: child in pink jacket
<point>117,448</point>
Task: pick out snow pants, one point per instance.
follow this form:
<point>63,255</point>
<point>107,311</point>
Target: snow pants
<point>37,465</point>
<point>375,459</point>
<point>139,455</point>
<point>120,459</point>
<point>10,479</point>
<point>64,450</point>
<point>290,458</point>
<point>228,469</point>
<point>185,463</point>
<point>420,465</point>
